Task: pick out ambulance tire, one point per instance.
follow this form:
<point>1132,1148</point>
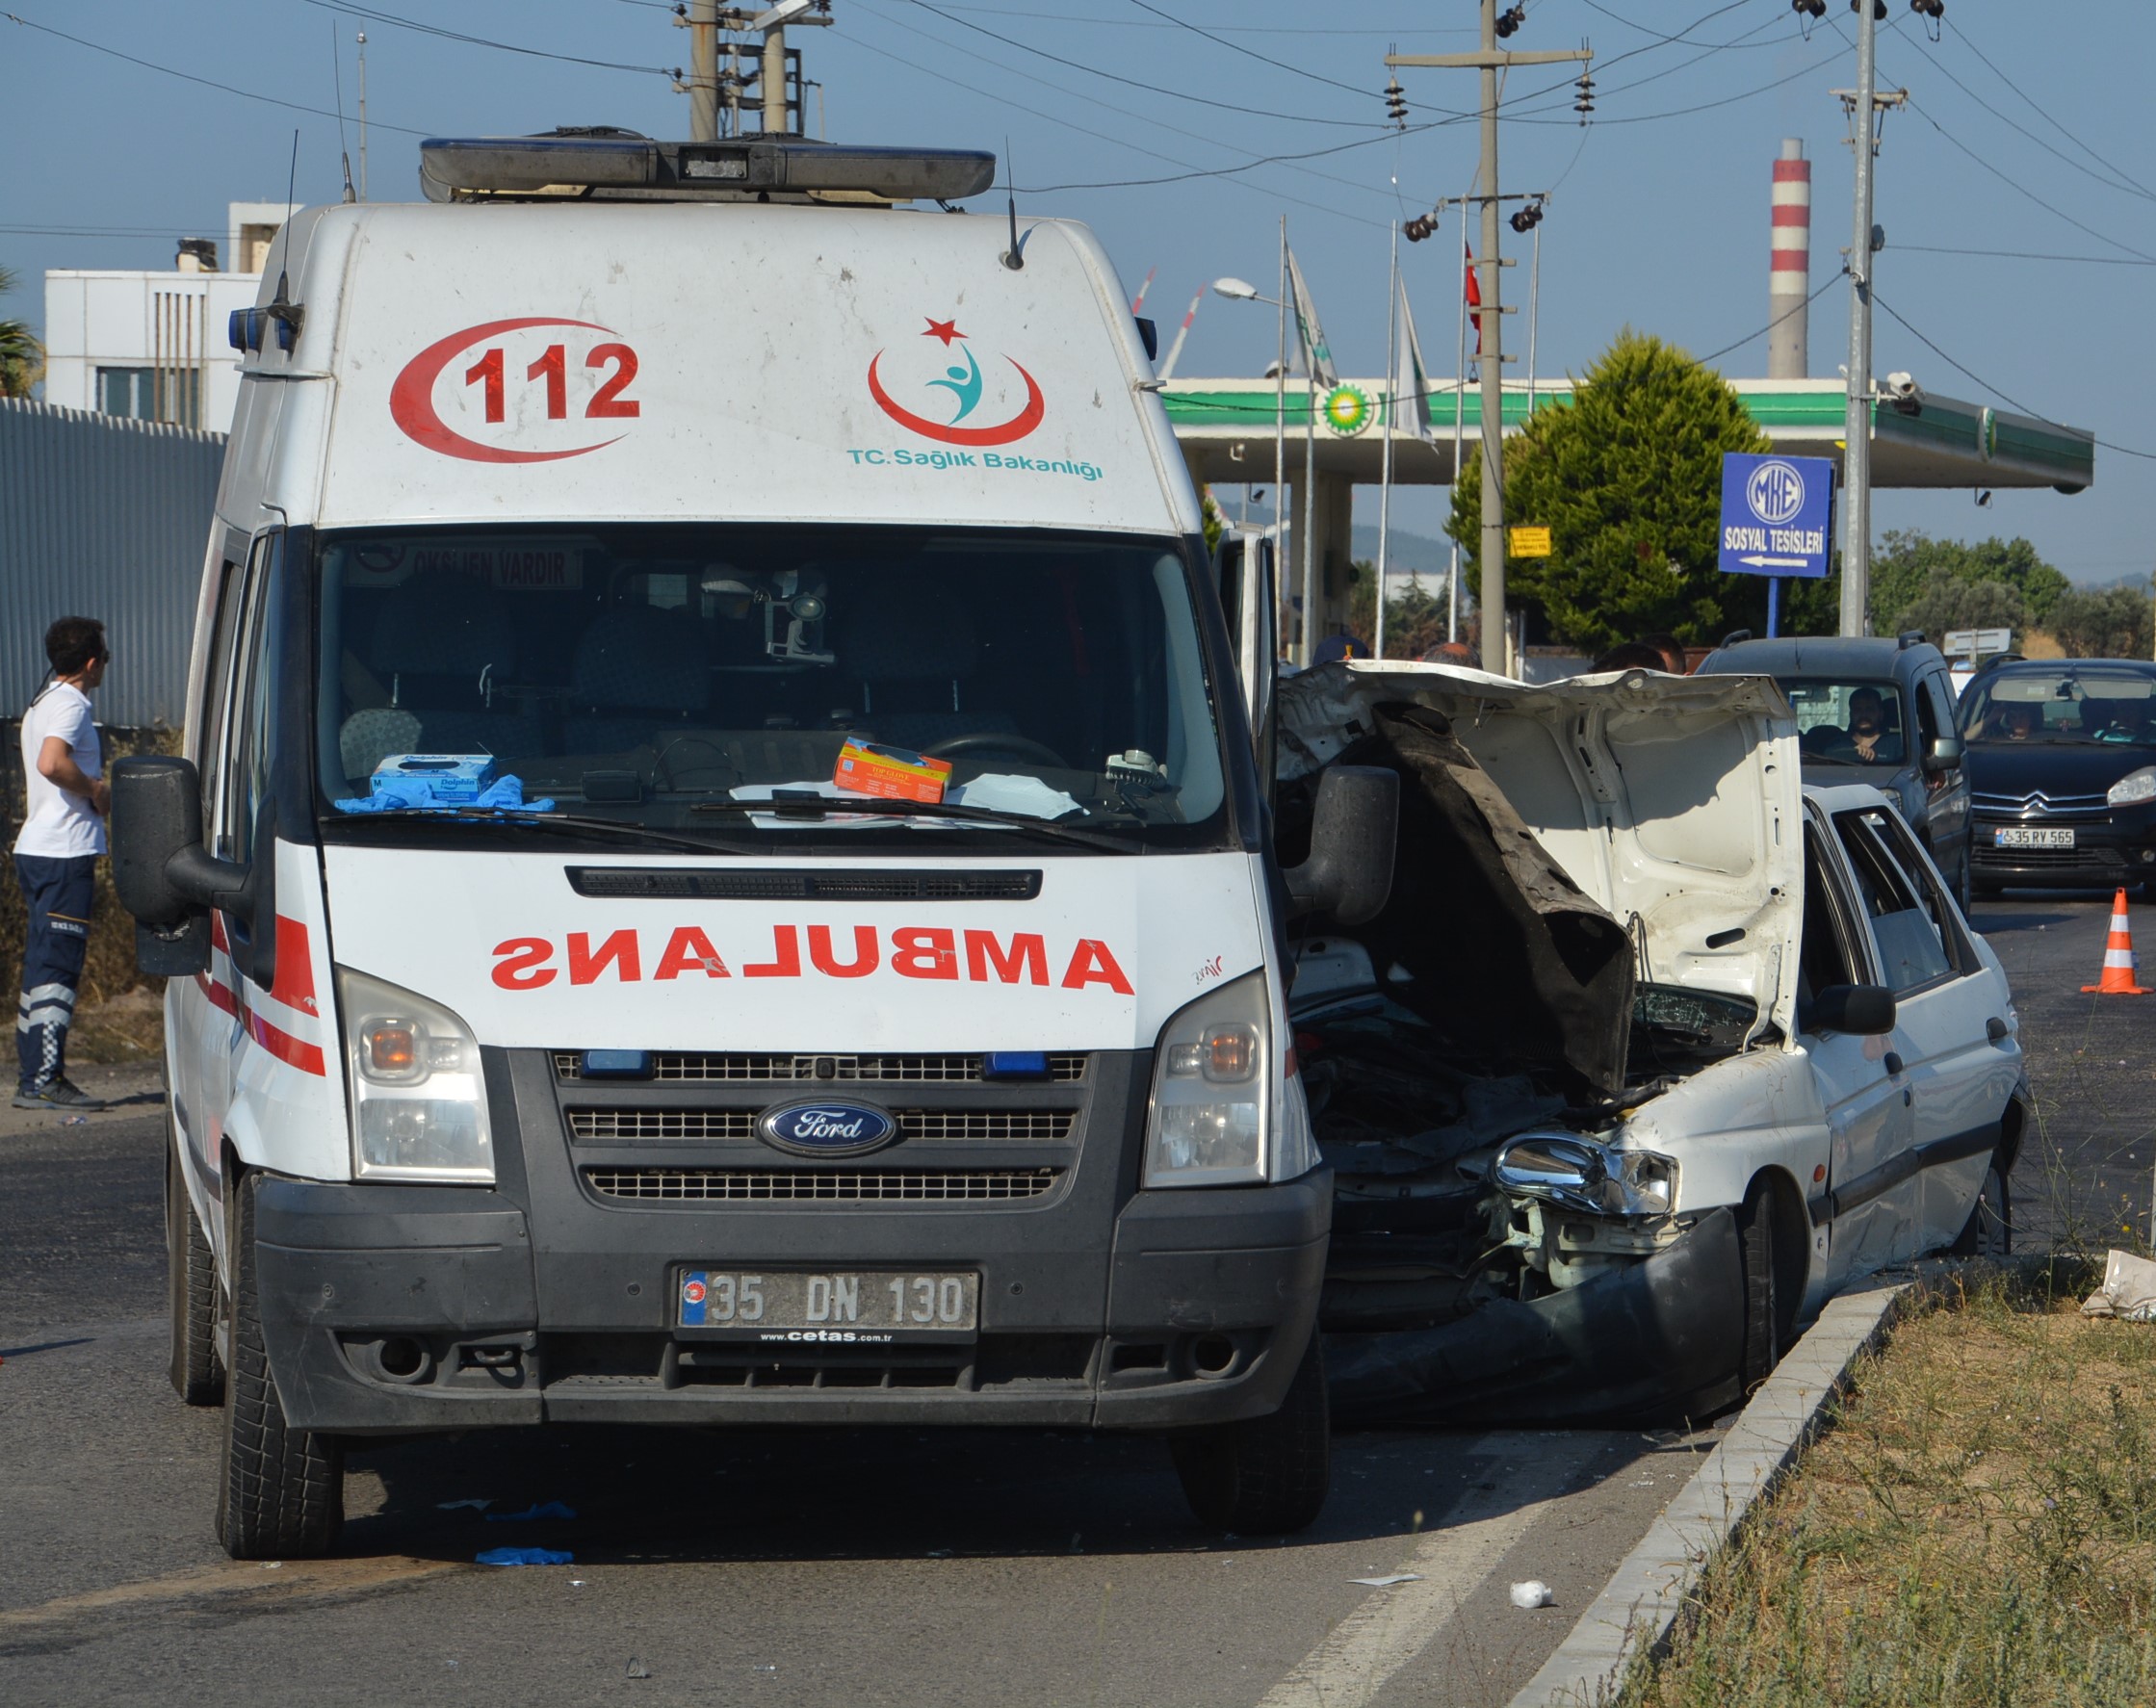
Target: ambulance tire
<point>1263,1476</point>
<point>191,1281</point>
<point>280,1491</point>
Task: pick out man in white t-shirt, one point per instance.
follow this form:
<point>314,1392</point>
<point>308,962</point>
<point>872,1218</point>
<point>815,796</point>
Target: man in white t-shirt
<point>56,858</point>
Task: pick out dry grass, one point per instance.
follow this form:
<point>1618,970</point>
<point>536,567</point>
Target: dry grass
<point>1977,1527</point>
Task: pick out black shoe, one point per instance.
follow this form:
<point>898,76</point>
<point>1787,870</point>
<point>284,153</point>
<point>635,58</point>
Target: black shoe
<point>59,1093</point>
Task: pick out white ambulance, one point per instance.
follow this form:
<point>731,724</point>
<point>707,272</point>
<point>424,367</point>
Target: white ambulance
<point>556,1033</point>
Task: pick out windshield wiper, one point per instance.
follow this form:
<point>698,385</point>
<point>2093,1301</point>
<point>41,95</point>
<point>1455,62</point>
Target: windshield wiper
<point>824,806</point>
<point>558,822</point>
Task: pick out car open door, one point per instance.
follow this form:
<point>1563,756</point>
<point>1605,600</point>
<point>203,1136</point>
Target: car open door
<point>1247,595</point>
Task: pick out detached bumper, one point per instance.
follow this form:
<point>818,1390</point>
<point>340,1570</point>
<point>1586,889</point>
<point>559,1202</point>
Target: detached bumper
<point>395,1310</point>
<point>1633,1342</point>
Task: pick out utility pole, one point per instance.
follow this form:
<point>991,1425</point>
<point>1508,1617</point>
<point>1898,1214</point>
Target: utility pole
<point>1867,108</point>
<point>1490,61</point>
<point>703,71</point>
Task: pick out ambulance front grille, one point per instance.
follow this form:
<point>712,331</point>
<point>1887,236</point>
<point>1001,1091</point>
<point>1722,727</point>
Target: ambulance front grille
<point>708,1066</point>
<point>706,1185</point>
<point>987,1126</point>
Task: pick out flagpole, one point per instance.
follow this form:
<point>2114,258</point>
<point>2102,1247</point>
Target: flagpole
<point>1279,454</point>
<point>1391,403</point>
<point>1534,313</point>
<point>1459,430</point>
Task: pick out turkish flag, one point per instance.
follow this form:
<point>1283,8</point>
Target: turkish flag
<point>1475,291</point>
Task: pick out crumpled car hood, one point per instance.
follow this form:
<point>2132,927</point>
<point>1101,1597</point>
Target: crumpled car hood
<point>1671,801</point>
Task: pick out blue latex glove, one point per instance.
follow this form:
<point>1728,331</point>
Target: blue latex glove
<point>505,795</point>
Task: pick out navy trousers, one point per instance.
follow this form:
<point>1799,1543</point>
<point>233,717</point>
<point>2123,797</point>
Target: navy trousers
<point>58,891</point>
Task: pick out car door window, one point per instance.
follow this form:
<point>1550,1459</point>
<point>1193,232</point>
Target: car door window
<point>1927,718</point>
<point>208,720</point>
<point>1827,956</point>
<point>1909,919</point>
<point>254,709</point>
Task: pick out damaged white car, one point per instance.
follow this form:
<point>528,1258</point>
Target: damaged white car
<point>1650,1051</point>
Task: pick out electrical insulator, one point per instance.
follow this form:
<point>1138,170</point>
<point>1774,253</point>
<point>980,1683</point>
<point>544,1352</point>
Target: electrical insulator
<point>1511,19</point>
<point>1526,218</point>
<point>1422,226</point>
<point>1395,103</point>
<point>1584,102</point>
<point>1930,9</point>
<point>1879,8</point>
<point>1816,8</point>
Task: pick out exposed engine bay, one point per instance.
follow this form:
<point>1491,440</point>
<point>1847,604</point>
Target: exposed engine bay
<point>1472,1054</point>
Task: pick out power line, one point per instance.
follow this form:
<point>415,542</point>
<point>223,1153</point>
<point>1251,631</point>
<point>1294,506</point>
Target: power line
<point>2038,108</point>
<point>1134,82</point>
<point>1997,392</point>
<point>189,77</point>
<point>1785,313</point>
<point>2023,255</point>
<point>1251,53</point>
<point>1131,23</point>
<point>392,19</point>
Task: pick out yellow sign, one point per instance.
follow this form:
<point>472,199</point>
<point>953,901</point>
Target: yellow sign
<point>1529,542</point>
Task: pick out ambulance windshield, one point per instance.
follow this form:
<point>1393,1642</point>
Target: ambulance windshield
<point>670,677</point>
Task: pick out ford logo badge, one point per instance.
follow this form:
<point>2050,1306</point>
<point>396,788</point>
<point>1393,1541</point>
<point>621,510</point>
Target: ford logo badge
<point>827,1128</point>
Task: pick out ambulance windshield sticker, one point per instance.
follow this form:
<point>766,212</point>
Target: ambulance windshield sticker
<point>962,378</point>
<point>535,389</point>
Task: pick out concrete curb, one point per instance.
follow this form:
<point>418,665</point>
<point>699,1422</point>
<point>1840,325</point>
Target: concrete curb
<point>1640,1605</point>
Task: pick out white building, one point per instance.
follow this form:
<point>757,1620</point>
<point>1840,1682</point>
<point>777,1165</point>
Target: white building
<point>152,346</point>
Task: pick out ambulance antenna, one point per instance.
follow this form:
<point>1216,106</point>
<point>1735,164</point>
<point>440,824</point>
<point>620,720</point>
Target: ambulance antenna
<point>1013,258</point>
<point>291,191</point>
<point>337,71</point>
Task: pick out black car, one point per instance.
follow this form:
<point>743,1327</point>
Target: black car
<point>1877,711</point>
<point>2061,764</point>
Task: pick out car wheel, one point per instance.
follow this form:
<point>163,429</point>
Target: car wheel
<point>1989,1232</point>
<point>1263,1476</point>
<point>1986,888</point>
<point>192,1290</point>
<point>1763,1303</point>
<point>280,1491</point>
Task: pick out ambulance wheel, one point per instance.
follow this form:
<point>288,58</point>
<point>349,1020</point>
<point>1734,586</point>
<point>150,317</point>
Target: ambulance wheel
<point>1762,1297</point>
<point>190,1284</point>
<point>1263,1476</point>
<point>280,1491</point>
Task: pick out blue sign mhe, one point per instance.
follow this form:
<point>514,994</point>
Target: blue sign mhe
<point>1776,514</point>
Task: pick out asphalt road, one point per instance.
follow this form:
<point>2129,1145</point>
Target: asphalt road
<point>819,1567</point>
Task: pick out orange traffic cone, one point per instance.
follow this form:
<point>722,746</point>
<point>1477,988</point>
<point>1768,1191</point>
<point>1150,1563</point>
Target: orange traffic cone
<point>2117,979</point>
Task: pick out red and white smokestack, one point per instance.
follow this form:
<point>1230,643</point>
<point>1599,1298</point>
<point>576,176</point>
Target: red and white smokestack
<point>1789,267</point>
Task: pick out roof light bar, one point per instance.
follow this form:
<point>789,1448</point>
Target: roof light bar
<point>605,163</point>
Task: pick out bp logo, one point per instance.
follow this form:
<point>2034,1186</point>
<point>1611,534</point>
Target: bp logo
<point>1347,410</point>
<point>964,382</point>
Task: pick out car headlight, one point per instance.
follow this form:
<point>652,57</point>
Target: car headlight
<point>1586,1175</point>
<point>418,1096</point>
<point>2133,787</point>
<point>1224,1110</point>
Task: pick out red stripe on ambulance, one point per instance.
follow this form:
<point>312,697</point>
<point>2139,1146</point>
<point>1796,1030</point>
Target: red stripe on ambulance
<point>910,951</point>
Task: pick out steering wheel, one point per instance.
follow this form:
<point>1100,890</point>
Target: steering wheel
<point>997,741</point>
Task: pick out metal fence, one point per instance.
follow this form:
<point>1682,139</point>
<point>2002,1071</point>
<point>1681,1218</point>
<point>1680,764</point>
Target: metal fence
<point>103,517</point>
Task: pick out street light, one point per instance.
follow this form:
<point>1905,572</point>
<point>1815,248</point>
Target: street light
<point>1237,289</point>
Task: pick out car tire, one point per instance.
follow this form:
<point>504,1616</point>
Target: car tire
<point>280,1491</point>
<point>1763,1347</point>
<point>1263,1476</point>
<point>1987,889</point>
<point>192,1290</point>
<point>1989,1231</point>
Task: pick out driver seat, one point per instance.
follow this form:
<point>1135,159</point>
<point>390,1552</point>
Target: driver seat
<point>912,651</point>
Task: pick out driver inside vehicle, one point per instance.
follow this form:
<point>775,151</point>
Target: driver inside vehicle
<point>2126,721</point>
<point>2015,721</point>
<point>1871,739</point>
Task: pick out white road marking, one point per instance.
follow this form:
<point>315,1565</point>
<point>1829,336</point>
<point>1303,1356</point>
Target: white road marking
<point>1391,1627</point>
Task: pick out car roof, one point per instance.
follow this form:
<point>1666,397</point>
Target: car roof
<point>2054,666</point>
<point>1821,654</point>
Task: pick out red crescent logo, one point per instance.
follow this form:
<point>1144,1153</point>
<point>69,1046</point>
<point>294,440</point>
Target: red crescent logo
<point>411,400</point>
<point>1017,428</point>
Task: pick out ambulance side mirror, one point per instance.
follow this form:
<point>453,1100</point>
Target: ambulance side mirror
<point>1355,826</point>
<point>162,874</point>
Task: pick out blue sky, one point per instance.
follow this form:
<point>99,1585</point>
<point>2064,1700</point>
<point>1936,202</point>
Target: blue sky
<point>2023,136</point>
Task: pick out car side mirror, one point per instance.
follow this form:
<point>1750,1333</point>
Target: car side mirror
<point>1355,827</point>
<point>1865,1010</point>
<point>1943,754</point>
<point>162,874</point>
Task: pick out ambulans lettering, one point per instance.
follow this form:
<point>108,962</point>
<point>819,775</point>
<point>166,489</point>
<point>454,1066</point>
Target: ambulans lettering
<point>517,385</point>
<point>933,952</point>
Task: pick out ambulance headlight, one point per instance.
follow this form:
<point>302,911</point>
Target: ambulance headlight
<point>418,1096</point>
<point>1224,1112</point>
